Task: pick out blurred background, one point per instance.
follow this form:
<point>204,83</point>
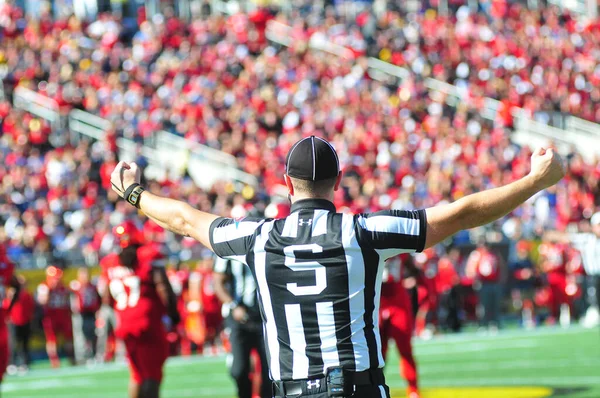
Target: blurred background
<point>425,101</point>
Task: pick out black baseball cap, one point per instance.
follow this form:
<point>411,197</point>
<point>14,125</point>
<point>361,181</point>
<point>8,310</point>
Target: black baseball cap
<point>312,159</point>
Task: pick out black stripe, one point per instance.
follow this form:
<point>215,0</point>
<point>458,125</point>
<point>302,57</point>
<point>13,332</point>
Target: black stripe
<point>277,274</point>
<point>337,276</point>
<point>422,230</point>
<point>310,322</point>
<point>390,240</point>
<point>371,261</point>
<point>232,247</point>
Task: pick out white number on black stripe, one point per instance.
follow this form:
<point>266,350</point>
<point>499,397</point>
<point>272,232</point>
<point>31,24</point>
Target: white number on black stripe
<point>320,272</point>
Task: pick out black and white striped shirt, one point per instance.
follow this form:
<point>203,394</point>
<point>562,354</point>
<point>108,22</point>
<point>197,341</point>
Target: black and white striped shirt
<point>241,284</point>
<point>588,245</point>
<point>319,281</point>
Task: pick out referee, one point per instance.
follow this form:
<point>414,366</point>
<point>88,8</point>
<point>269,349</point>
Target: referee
<point>236,288</point>
<point>319,272</point>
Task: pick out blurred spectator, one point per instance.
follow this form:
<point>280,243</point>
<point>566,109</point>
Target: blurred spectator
<point>483,268</point>
<point>523,277</point>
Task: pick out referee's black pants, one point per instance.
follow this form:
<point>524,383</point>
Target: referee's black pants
<point>244,338</point>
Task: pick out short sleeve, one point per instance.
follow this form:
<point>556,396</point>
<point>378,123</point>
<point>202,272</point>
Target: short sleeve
<point>392,232</point>
<point>233,239</point>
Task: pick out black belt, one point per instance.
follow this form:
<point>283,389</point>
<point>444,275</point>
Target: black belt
<point>369,377</point>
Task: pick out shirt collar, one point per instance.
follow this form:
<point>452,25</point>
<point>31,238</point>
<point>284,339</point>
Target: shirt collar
<point>313,204</point>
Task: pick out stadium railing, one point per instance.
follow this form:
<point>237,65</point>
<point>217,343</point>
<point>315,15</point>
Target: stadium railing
<point>168,155</point>
<point>578,133</point>
<point>37,104</point>
<point>583,8</point>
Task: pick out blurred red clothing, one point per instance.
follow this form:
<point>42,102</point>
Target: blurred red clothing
<point>88,299</point>
<point>23,309</point>
<point>484,265</point>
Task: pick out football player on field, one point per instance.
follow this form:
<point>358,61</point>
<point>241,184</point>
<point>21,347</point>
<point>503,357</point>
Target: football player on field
<point>396,319</point>
<point>7,281</point>
<point>141,295</point>
<point>55,299</point>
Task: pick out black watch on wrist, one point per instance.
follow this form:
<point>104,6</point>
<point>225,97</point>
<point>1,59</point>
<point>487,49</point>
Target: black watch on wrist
<point>133,193</point>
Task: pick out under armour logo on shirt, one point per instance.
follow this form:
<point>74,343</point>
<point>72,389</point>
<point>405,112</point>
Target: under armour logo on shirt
<point>313,383</point>
<point>302,222</point>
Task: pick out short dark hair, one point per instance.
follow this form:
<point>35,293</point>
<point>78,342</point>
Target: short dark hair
<point>314,188</point>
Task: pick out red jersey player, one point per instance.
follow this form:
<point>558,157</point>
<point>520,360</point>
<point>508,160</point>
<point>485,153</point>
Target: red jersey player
<point>7,280</point>
<point>55,299</point>
<point>141,296</point>
<point>396,320</point>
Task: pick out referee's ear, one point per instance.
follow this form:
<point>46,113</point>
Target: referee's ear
<point>338,181</point>
<point>288,183</point>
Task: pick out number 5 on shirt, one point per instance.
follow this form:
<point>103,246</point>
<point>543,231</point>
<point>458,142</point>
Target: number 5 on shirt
<point>320,272</point>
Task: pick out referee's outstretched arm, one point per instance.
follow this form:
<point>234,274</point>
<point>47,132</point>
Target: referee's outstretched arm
<point>484,207</point>
<point>442,221</point>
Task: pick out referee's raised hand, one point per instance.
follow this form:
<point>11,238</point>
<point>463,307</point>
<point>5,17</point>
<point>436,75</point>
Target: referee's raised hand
<point>123,176</point>
<point>547,167</point>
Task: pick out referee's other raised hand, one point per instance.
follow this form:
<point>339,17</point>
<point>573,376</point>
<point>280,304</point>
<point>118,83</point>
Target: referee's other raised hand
<point>547,167</point>
<point>123,176</point>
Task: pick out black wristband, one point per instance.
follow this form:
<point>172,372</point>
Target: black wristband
<point>132,194</point>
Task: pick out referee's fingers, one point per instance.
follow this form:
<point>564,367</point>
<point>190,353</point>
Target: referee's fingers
<point>539,151</point>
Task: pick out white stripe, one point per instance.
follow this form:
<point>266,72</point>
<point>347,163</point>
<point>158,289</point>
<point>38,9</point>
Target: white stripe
<point>356,293</point>
<point>220,265</point>
<point>234,231</point>
<point>379,278</point>
<point>249,289</point>
<point>382,391</point>
<point>391,224</point>
<point>312,141</point>
<point>319,225</point>
<point>326,322</point>
<point>290,228</point>
<point>260,264</point>
<point>238,276</point>
<point>293,317</point>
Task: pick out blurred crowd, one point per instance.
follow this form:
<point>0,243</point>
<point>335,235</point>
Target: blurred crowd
<point>218,81</point>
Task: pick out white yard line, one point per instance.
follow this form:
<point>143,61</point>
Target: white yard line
<point>486,366</point>
<point>501,335</point>
<point>436,350</point>
<point>505,381</point>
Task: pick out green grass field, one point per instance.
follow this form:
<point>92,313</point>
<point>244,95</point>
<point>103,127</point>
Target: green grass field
<point>541,363</point>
